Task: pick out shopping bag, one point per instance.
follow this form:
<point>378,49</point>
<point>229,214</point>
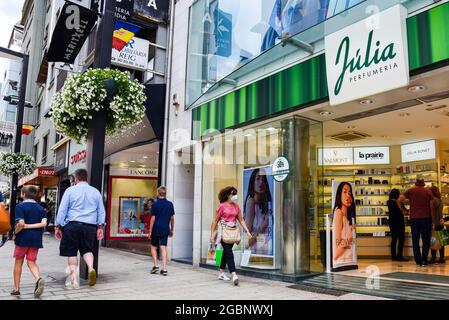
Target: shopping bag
<point>5,224</point>
<point>211,254</point>
<point>434,241</point>
<point>218,256</point>
<point>443,237</point>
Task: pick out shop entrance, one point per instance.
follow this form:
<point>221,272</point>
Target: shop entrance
<point>383,143</point>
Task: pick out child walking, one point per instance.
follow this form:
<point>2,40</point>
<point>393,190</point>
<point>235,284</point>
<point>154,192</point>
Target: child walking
<point>31,220</point>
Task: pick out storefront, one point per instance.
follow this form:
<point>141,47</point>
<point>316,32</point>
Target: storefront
<point>62,152</point>
<point>46,180</point>
<point>376,121</point>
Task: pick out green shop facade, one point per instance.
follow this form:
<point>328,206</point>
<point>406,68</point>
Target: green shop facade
<point>247,131</point>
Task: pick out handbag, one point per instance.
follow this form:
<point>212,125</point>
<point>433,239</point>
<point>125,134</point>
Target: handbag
<point>218,256</point>
<point>443,237</point>
<point>230,234</point>
<point>434,241</point>
<point>5,223</point>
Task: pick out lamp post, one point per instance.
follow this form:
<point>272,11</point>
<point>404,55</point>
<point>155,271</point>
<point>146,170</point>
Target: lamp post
<point>14,55</point>
<point>97,125</point>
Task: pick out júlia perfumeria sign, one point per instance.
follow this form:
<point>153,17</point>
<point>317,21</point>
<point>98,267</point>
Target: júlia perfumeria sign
<point>368,57</point>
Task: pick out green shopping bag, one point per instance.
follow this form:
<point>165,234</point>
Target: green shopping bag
<point>218,257</point>
<point>443,236</point>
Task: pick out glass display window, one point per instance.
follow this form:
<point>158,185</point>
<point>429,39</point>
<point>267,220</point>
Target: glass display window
<point>128,212</point>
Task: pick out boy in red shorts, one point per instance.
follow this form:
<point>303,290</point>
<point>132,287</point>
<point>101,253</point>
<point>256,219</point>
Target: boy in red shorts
<point>31,219</point>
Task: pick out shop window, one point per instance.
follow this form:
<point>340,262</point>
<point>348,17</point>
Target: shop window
<point>45,149</point>
<point>128,214</point>
<point>244,159</point>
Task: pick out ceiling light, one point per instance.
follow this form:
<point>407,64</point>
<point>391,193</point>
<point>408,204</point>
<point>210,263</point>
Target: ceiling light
<point>132,161</point>
<point>435,126</point>
<point>271,129</point>
<point>366,102</point>
<point>351,127</point>
<point>404,114</point>
<point>417,88</point>
<point>248,135</point>
<point>385,137</point>
<point>145,157</point>
<point>326,113</point>
<point>229,140</point>
<point>408,131</point>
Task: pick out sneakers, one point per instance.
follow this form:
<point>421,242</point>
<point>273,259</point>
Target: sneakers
<point>39,288</point>
<point>164,272</point>
<point>92,277</point>
<point>235,280</point>
<point>442,260</point>
<point>223,277</point>
<point>155,270</point>
<point>71,284</point>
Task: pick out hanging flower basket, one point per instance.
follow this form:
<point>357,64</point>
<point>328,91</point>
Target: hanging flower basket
<point>22,163</point>
<point>83,95</point>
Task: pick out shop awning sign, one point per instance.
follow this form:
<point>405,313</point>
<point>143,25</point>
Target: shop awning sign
<point>280,169</point>
<point>368,57</point>
<point>418,151</point>
<point>72,29</point>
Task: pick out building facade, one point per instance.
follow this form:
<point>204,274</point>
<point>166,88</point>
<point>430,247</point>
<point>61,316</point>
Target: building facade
<point>257,103</point>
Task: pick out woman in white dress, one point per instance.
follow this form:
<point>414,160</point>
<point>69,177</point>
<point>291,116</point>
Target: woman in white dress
<point>344,213</point>
<point>258,213</point>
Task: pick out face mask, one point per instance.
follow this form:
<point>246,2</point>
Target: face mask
<point>234,198</point>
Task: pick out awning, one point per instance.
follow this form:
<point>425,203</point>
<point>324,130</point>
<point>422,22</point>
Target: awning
<point>44,177</point>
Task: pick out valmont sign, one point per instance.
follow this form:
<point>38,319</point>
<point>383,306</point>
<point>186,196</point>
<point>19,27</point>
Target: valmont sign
<point>368,57</point>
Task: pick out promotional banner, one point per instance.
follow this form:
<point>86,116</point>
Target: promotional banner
<point>133,56</point>
<point>335,156</point>
<point>258,212</point>
<point>344,246</point>
<point>371,155</point>
<point>72,29</point>
<point>418,151</point>
<point>368,57</point>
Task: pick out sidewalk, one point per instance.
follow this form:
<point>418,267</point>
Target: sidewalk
<point>126,276</point>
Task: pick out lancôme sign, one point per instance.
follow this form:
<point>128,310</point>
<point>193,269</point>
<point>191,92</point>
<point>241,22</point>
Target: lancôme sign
<point>368,57</point>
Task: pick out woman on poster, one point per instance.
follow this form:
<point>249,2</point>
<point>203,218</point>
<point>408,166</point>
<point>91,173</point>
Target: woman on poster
<point>258,213</point>
<point>344,215</point>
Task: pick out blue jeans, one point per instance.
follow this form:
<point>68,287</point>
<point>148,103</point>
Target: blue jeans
<point>421,228</point>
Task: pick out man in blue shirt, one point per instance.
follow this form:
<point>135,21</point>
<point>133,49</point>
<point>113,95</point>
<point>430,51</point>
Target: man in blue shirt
<point>161,227</point>
<point>80,221</point>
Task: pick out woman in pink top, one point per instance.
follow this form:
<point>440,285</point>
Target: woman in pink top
<point>229,212</point>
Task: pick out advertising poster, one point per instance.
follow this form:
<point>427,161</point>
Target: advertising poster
<point>344,248</point>
<point>129,214</point>
<point>258,212</point>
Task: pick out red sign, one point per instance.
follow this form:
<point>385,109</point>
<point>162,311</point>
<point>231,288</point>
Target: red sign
<point>78,157</point>
<point>44,172</point>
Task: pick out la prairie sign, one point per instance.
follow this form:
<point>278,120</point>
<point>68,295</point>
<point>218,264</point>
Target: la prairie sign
<point>368,57</point>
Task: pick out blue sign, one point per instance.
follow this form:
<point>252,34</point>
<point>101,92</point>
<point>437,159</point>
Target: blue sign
<point>223,33</point>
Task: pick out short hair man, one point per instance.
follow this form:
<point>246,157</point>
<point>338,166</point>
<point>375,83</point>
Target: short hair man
<point>80,221</point>
<point>420,219</point>
<point>162,226</point>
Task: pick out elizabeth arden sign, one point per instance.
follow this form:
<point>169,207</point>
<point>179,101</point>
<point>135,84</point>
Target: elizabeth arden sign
<point>368,57</point>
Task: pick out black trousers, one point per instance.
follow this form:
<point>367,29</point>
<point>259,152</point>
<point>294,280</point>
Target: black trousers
<point>434,253</point>
<point>397,241</point>
<point>228,257</point>
<point>421,228</point>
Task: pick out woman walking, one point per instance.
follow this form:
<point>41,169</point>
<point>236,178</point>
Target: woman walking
<point>436,207</point>
<point>397,226</point>
<point>228,212</point>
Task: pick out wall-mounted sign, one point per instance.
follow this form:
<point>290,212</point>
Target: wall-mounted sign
<point>124,9</point>
<point>280,169</point>
<point>135,172</point>
<point>133,56</point>
<point>72,29</point>
<point>61,158</point>
<point>372,155</point>
<point>368,57</point>
<point>335,156</point>
<point>424,150</point>
<point>77,157</point>
<point>46,172</point>
<point>153,9</point>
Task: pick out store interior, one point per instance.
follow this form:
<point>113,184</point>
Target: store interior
<point>414,117</point>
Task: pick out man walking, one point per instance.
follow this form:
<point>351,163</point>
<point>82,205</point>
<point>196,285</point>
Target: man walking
<point>420,219</point>
<point>162,225</point>
<point>79,223</point>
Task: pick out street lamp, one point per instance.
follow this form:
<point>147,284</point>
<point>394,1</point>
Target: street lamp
<point>14,55</point>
